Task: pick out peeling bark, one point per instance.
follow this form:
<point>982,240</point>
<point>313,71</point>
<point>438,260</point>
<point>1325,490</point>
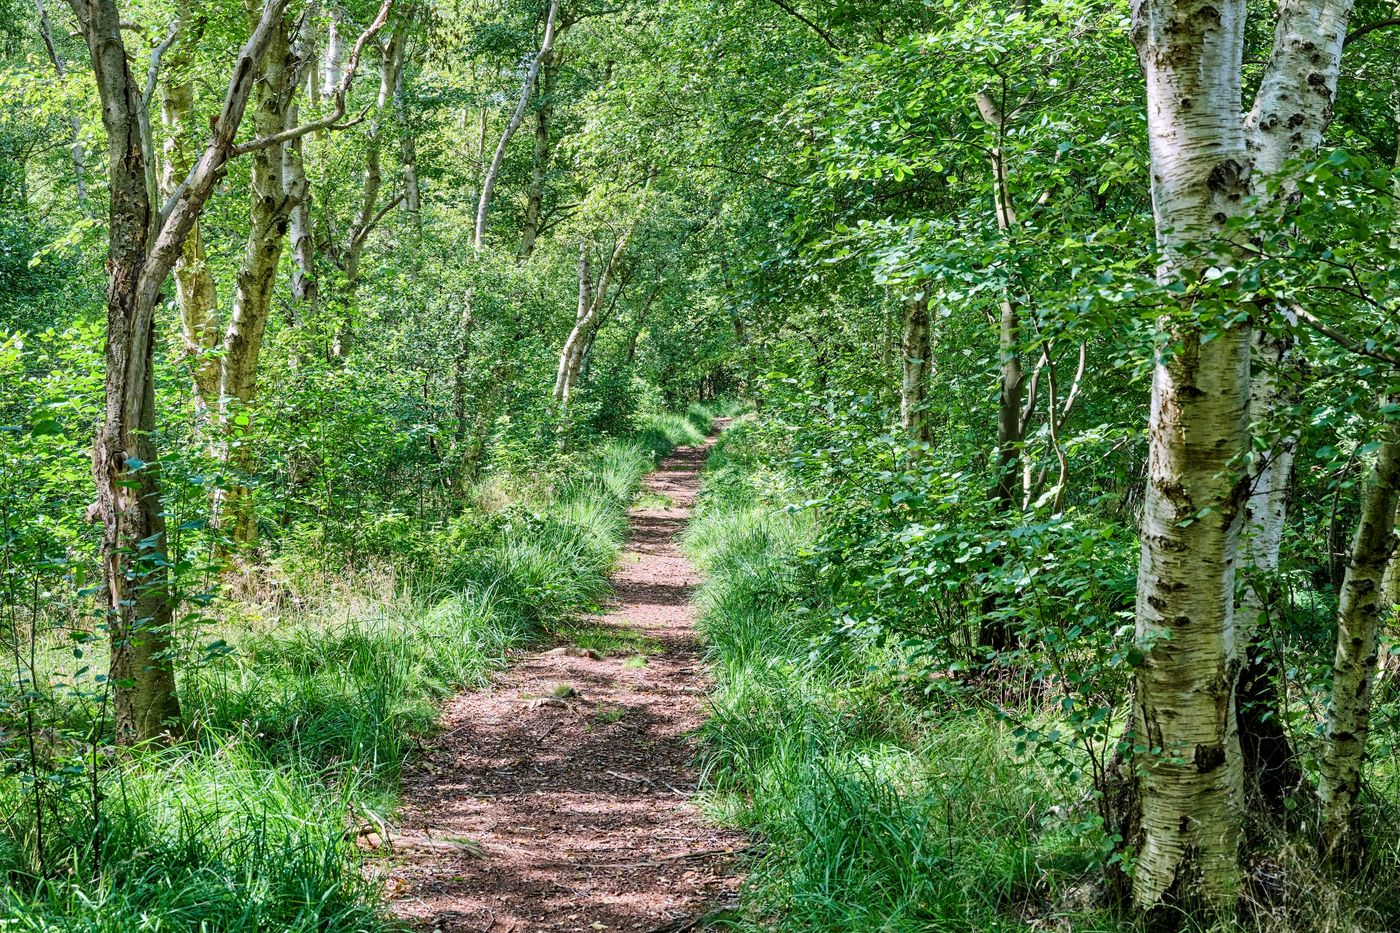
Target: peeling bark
<point>1191,781</point>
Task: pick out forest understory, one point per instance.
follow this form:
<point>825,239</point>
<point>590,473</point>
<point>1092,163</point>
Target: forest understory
<point>370,559</point>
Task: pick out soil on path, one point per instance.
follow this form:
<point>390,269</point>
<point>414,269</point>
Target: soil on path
<point>542,811</point>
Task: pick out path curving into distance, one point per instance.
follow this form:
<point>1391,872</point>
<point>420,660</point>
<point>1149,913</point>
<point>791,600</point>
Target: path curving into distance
<point>538,809</point>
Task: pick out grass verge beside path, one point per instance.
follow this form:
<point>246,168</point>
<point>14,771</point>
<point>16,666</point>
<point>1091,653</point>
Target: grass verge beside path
<point>876,810</point>
<point>303,728</point>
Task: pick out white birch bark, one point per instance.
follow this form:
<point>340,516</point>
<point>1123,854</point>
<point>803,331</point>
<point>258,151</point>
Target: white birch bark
<point>488,181</point>
<point>1291,111</point>
<point>590,305</point>
<point>1190,788</point>
<point>269,207</point>
<point>1360,613</point>
<point>916,351</point>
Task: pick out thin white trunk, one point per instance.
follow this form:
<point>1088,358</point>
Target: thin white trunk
<point>334,66</point>
<point>916,352</point>
<point>1290,113</point>
<point>488,182</point>
<point>1360,612</point>
<point>268,212</point>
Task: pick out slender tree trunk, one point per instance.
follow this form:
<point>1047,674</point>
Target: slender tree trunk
<point>916,349</point>
<point>488,181</point>
<point>544,114</point>
<point>994,633</point>
<point>334,65</point>
<point>305,295</point>
<point>370,211</point>
<point>460,363</point>
<point>269,208</point>
<point>564,378</point>
<point>1270,768</point>
<point>194,283</point>
<point>60,67</point>
<point>1009,421</point>
<point>1291,110</point>
<point>1191,782</point>
<point>1360,612</point>
<point>143,248</point>
<point>590,306</point>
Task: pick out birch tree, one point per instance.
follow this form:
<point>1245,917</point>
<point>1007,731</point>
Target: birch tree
<point>1291,110</point>
<point>1198,492</point>
<point>1191,786</point>
<point>145,240</point>
<point>1361,611</point>
<point>916,352</point>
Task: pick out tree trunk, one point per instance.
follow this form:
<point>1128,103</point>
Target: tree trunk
<point>269,208</point>
<point>544,113</point>
<point>569,356</point>
<point>334,65</point>
<point>305,295</point>
<point>1291,110</point>
<point>142,250</point>
<point>370,212</point>
<point>916,348</point>
<point>75,123</point>
<point>1190,777</point>
<point>1009,420</point>
<point>488,181</point>
<point>194,283</point>
<point>1360,612</point>
<point>590,306</point>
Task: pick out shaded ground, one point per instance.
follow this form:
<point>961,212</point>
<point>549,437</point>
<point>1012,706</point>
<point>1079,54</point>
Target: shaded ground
<point>557,799</point>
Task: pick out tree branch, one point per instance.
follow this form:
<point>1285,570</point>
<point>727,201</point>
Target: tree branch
<point>797,15</point>
<point>1339,338</point>
<point>332,121</point>
<point>1369,28</point>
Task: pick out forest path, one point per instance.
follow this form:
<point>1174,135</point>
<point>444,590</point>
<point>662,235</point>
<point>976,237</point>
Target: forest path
<point>539,809</point>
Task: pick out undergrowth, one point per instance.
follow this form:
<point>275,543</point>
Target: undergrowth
<point>875,810</point>
<point>301,723</point>
<point>881,800</point>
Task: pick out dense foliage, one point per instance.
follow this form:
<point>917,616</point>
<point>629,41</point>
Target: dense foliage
<point>1065,500</point>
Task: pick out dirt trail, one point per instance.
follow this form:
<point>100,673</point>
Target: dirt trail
<point>542,812</point>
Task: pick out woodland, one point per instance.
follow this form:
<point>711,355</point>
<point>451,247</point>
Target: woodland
<point>360,357</point>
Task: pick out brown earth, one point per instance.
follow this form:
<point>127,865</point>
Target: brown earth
<point>558,799</point>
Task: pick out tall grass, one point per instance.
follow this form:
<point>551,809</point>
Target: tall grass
<point>301,732</point>
<point>876,810</point>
